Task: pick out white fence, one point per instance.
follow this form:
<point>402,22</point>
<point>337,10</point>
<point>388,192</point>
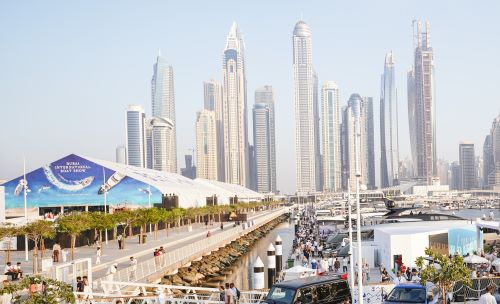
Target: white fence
<point>185,254</point>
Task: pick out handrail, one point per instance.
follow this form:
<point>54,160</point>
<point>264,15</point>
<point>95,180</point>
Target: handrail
<point>185,254</point>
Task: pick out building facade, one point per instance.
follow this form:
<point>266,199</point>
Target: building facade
<point>467,160</point>
<point>422,107</point>
<point>389,139</point>
<point>494,176</point>
<point>206,145</point>
<point>330,143</point>
<point>121,155</point>
<point>307,152</point>
<point>136,136</point>
<point>163,106</point>
<point>236,160</point>
<point>488,162</point>
<point>212,90</point>
<point>162,144</point>
<point>264,140</point>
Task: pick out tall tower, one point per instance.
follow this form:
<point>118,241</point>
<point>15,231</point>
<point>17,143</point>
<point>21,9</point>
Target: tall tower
<point>423,106</point>
<point>206,145</point>
<point>467,161</point>
<point>330,135</point>
<point>212,90</point>
<point>488,162</point>
<point>306,112</point>
<point>235,110</point>
<point>357,110</point>
<point>494,176</point>
<point>264,139</point>
<point>162,144</point>
<point>163,106</point>
<point>136,136</point>
<point>369,126</point>
<point>389,144</point>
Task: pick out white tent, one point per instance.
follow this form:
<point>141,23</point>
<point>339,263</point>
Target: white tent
<point>475,259</point>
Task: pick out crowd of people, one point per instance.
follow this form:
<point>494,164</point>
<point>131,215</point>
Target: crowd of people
<point>14,271</point>
<point>229,293</point>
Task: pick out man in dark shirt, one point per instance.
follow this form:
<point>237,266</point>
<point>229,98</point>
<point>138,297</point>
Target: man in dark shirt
<point>79,284</point>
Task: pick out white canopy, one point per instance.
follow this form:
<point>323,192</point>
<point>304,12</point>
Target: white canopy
<point>475,259</point>
<point>299,269</point>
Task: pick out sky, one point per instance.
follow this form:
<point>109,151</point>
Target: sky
<point>69,69</point>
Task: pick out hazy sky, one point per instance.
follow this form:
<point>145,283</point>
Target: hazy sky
<point>69,69</point>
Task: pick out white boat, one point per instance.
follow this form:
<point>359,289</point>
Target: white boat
<point>111,182</point>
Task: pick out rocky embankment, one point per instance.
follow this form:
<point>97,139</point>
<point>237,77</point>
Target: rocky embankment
<point>212,269</point>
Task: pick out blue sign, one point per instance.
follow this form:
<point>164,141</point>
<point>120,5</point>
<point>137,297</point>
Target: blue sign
<point>463,240</point>
<point>74,180</point>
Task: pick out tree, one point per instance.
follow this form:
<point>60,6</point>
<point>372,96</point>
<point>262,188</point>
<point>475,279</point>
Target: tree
<point>443,271</point>
<point>100,221</point>
<point>37,231</point>
<point>166,217</point>
<point>74,224</point>
<point>155,216</point>
<point>9,231</point>
<point>177,214</point>
<point>55,291</point>
<point>128,218</point>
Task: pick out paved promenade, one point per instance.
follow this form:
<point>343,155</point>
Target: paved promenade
<point>176,238</point>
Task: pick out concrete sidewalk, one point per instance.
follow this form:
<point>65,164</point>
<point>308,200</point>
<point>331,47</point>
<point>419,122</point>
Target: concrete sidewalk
<point>176,238</point>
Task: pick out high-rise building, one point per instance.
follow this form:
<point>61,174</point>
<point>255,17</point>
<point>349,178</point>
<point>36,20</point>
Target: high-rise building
<point>149,143</point>
<point>236,160</point>
<point>389,142</point>
<point>422,107</point>
<point>136,136</point>
<point>206,145</point>
<point>190,170</point>
<point>369,126</point>
<point>456,176</point>
<point>264,139</point>
<point>355,114</point>
<point>121,155</point>
<point>488,162</point>
<point>163,106</point>
<point>467,160</point>
<point>213,102</point>
<point>443,171</point>
<point>252,168</point>
<point>331,149</point>
<point>494,176</point>
<point>308,156</point>
<point>162,144</point>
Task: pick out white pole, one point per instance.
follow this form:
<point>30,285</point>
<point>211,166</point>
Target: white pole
<point>358,213</point>
<point>351,260</point>
<point>105,202</point>
<point>25,187</point>
<point>149,204</point>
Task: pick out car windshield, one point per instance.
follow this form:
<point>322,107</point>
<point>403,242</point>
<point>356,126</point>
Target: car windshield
<point>280,295</point>
<point>407,295</point>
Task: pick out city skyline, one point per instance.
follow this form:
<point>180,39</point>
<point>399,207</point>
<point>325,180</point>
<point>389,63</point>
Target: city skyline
<point>283,86</point>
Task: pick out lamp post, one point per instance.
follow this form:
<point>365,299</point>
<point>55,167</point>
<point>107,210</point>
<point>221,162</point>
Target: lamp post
<point>149,204</point>
<point>351,262</point>
<point>24,183</point>
<point>105,202</point>
<point>358,213</point>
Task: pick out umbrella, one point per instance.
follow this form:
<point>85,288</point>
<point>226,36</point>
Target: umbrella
<point>496,263</point>
<point>475,259</point>
<point>299,269</point>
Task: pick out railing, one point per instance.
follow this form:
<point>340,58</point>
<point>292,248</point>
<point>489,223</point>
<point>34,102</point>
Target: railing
<point>185,254</point>
<point>127,292</point>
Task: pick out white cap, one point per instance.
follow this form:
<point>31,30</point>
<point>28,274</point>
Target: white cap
<point>271,247</point>
<point>258,262</point>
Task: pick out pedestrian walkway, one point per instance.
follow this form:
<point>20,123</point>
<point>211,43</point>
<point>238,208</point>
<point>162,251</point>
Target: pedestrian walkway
<point>177,237</point>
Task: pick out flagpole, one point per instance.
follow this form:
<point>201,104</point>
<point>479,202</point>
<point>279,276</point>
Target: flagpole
<point>25,188</point>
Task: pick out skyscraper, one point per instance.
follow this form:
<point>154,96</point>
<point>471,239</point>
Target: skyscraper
<point>494,176</point>
<point>369,127</point>
<point>422,106</point>
<point>163,143</point>
<point>136,140</point>
<point>264,139</point>
<point>206,145</point>
<point>331,149</point>
<point>356,112</point>
<point>163,106</point>
<point>488,162</point>
<point>121,155</point>
<point>389,143</point>
<point>307,152</point>
<point>235,110</point>
<point>467,159</point>
<point>212,90</point>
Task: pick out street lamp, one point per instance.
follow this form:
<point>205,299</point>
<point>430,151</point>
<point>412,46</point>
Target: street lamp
<point>24,184</point>
<point>358,212</point>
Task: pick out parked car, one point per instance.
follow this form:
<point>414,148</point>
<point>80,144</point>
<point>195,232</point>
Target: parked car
<point>317,289</point>
<point>413,293</point>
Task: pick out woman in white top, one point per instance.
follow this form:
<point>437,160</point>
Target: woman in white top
<point>98,256</point>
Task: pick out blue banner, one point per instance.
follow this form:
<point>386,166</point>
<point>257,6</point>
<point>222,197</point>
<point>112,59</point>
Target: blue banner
<point>463,240</point>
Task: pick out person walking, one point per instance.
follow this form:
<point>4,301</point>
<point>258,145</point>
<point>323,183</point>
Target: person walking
<point>336,265</point>
<point>344,264</point>
<point>222,293</point>
<point>228,295</point>
<point>488,297</point>
<point>235,293</point>
<point>56,249</point>
<point>98,256</point>
<point>133,268</point>
<point>163,252</point>
<point>120,241</point>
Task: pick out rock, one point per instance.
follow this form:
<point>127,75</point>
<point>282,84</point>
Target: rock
<point>199,276</point>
